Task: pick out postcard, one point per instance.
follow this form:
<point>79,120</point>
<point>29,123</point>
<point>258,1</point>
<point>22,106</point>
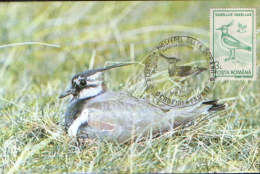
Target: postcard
<point>129,87</point>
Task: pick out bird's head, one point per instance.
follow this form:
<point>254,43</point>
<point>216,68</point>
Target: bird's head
<point>89,83</point>
<point>224,28</point>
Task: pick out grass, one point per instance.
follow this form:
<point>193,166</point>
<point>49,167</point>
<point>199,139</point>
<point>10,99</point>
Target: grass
<point>32,76</point>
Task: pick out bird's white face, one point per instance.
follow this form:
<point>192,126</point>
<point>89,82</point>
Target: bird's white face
<point>88,86</point>
<point>90,92</point>
<point>223,29</point>
<point>89,83</point>
<point>85,86</point>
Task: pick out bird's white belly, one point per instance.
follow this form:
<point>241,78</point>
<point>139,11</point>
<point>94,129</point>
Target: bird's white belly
<point>82,119</point>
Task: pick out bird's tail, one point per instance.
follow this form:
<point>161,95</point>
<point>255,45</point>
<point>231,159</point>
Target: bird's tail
<point>245,47</point>
<point>248,48</point>
<point>186,115</point>
<point>214,105</point>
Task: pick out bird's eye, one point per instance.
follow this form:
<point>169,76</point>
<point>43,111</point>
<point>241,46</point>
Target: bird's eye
<point>82,82</point>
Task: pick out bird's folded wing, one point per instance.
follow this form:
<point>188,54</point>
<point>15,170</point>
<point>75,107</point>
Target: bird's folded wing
<point>230,40</point>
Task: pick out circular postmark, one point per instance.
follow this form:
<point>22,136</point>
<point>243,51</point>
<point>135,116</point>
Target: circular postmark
<point>180,71</point>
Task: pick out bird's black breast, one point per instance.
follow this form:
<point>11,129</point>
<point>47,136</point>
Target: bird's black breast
<point>73,110</point>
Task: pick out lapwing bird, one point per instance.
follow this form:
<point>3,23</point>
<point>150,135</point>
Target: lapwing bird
<point>175,70</point>
<point>241,28</point>
<point>230,42</point>
<point>97,113</point>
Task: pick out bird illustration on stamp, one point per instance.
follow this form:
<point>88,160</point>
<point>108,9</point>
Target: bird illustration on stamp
<point>230,42</point>
<point>233,42</point>
<point>241,28</point>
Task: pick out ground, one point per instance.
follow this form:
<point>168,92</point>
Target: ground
<point>88,34</point>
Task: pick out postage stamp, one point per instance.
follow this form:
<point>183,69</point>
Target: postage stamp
<point>233,43</point>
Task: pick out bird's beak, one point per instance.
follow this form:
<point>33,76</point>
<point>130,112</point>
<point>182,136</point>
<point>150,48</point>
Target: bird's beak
<point>66,93</point>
